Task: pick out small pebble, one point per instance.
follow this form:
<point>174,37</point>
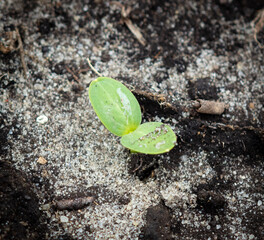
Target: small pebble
<point>259,202</point>
<point>64,219</point>
<point>25,224</point>
<point>27,197</point>
<point>42,119</point>
<point>135,223</point>
<point>45,207</point>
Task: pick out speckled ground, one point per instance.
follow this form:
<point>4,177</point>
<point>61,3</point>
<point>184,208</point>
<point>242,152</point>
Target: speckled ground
<point>210,186</point>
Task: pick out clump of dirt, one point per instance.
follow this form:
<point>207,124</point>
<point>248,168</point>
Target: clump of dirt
<point>158,225</point>
<point>19,209</point>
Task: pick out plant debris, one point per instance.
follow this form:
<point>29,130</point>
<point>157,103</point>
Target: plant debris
<point>22,53</point>
<point>8,42</point>
<point>74,203</point>
<point>125,19</point>
<point>209,107</point>
<point>258,24</point>
<point>42,160</point>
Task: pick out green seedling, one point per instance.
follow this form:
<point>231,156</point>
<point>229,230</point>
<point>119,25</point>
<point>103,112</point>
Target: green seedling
<point>119,111</point>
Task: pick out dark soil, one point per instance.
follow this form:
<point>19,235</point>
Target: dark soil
<point>20,217</point>
<point>159,224</point>
<point>199,132</point>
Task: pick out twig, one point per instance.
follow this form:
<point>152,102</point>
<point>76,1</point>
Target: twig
<point>157,55</point>
<point>72,73</point>
<point>3,75</point>
<point>91,66</point>
<point>160,98</point>
<point>134,29</point>
<point>258,24</point>
<point>83,70</point>
<point>140,165</point>
<point>22,53</point>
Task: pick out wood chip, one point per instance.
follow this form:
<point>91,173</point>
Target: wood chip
<point>251,105</point>
<point>8,42</point>
<point>258,24</point>
<point>42,160</point>
<point>73,204</point>
<point>25,224</point>
<point>209,107</point>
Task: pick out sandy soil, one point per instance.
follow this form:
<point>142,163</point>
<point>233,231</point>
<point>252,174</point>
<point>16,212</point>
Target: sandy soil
<point>53,147</point>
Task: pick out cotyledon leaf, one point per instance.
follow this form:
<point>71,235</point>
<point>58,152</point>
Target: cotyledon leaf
<point>115,105</point>
<point>150,138</point>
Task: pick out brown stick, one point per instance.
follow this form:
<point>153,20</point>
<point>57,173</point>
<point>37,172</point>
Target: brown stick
<point>22,53</point>
<point>83,70</point>
<point>140,165</point>
<point>72,73</point>
<point>258,24</point>
<point>133,29</point>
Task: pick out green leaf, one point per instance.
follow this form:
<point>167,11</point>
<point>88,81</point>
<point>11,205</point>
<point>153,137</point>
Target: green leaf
<point>150,138</point>
<point>115,105</point>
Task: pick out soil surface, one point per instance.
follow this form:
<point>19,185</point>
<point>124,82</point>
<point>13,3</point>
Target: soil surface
<point>53,148</point>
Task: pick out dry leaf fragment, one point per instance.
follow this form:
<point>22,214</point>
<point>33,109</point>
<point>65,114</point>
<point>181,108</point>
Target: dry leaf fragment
<point>132,27</point>
<point>135,30</point>
<point>42,160</point>
<point>25,224</point>
<point>73,204</point>
<point>209,107</point>
<point>8,42</point>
